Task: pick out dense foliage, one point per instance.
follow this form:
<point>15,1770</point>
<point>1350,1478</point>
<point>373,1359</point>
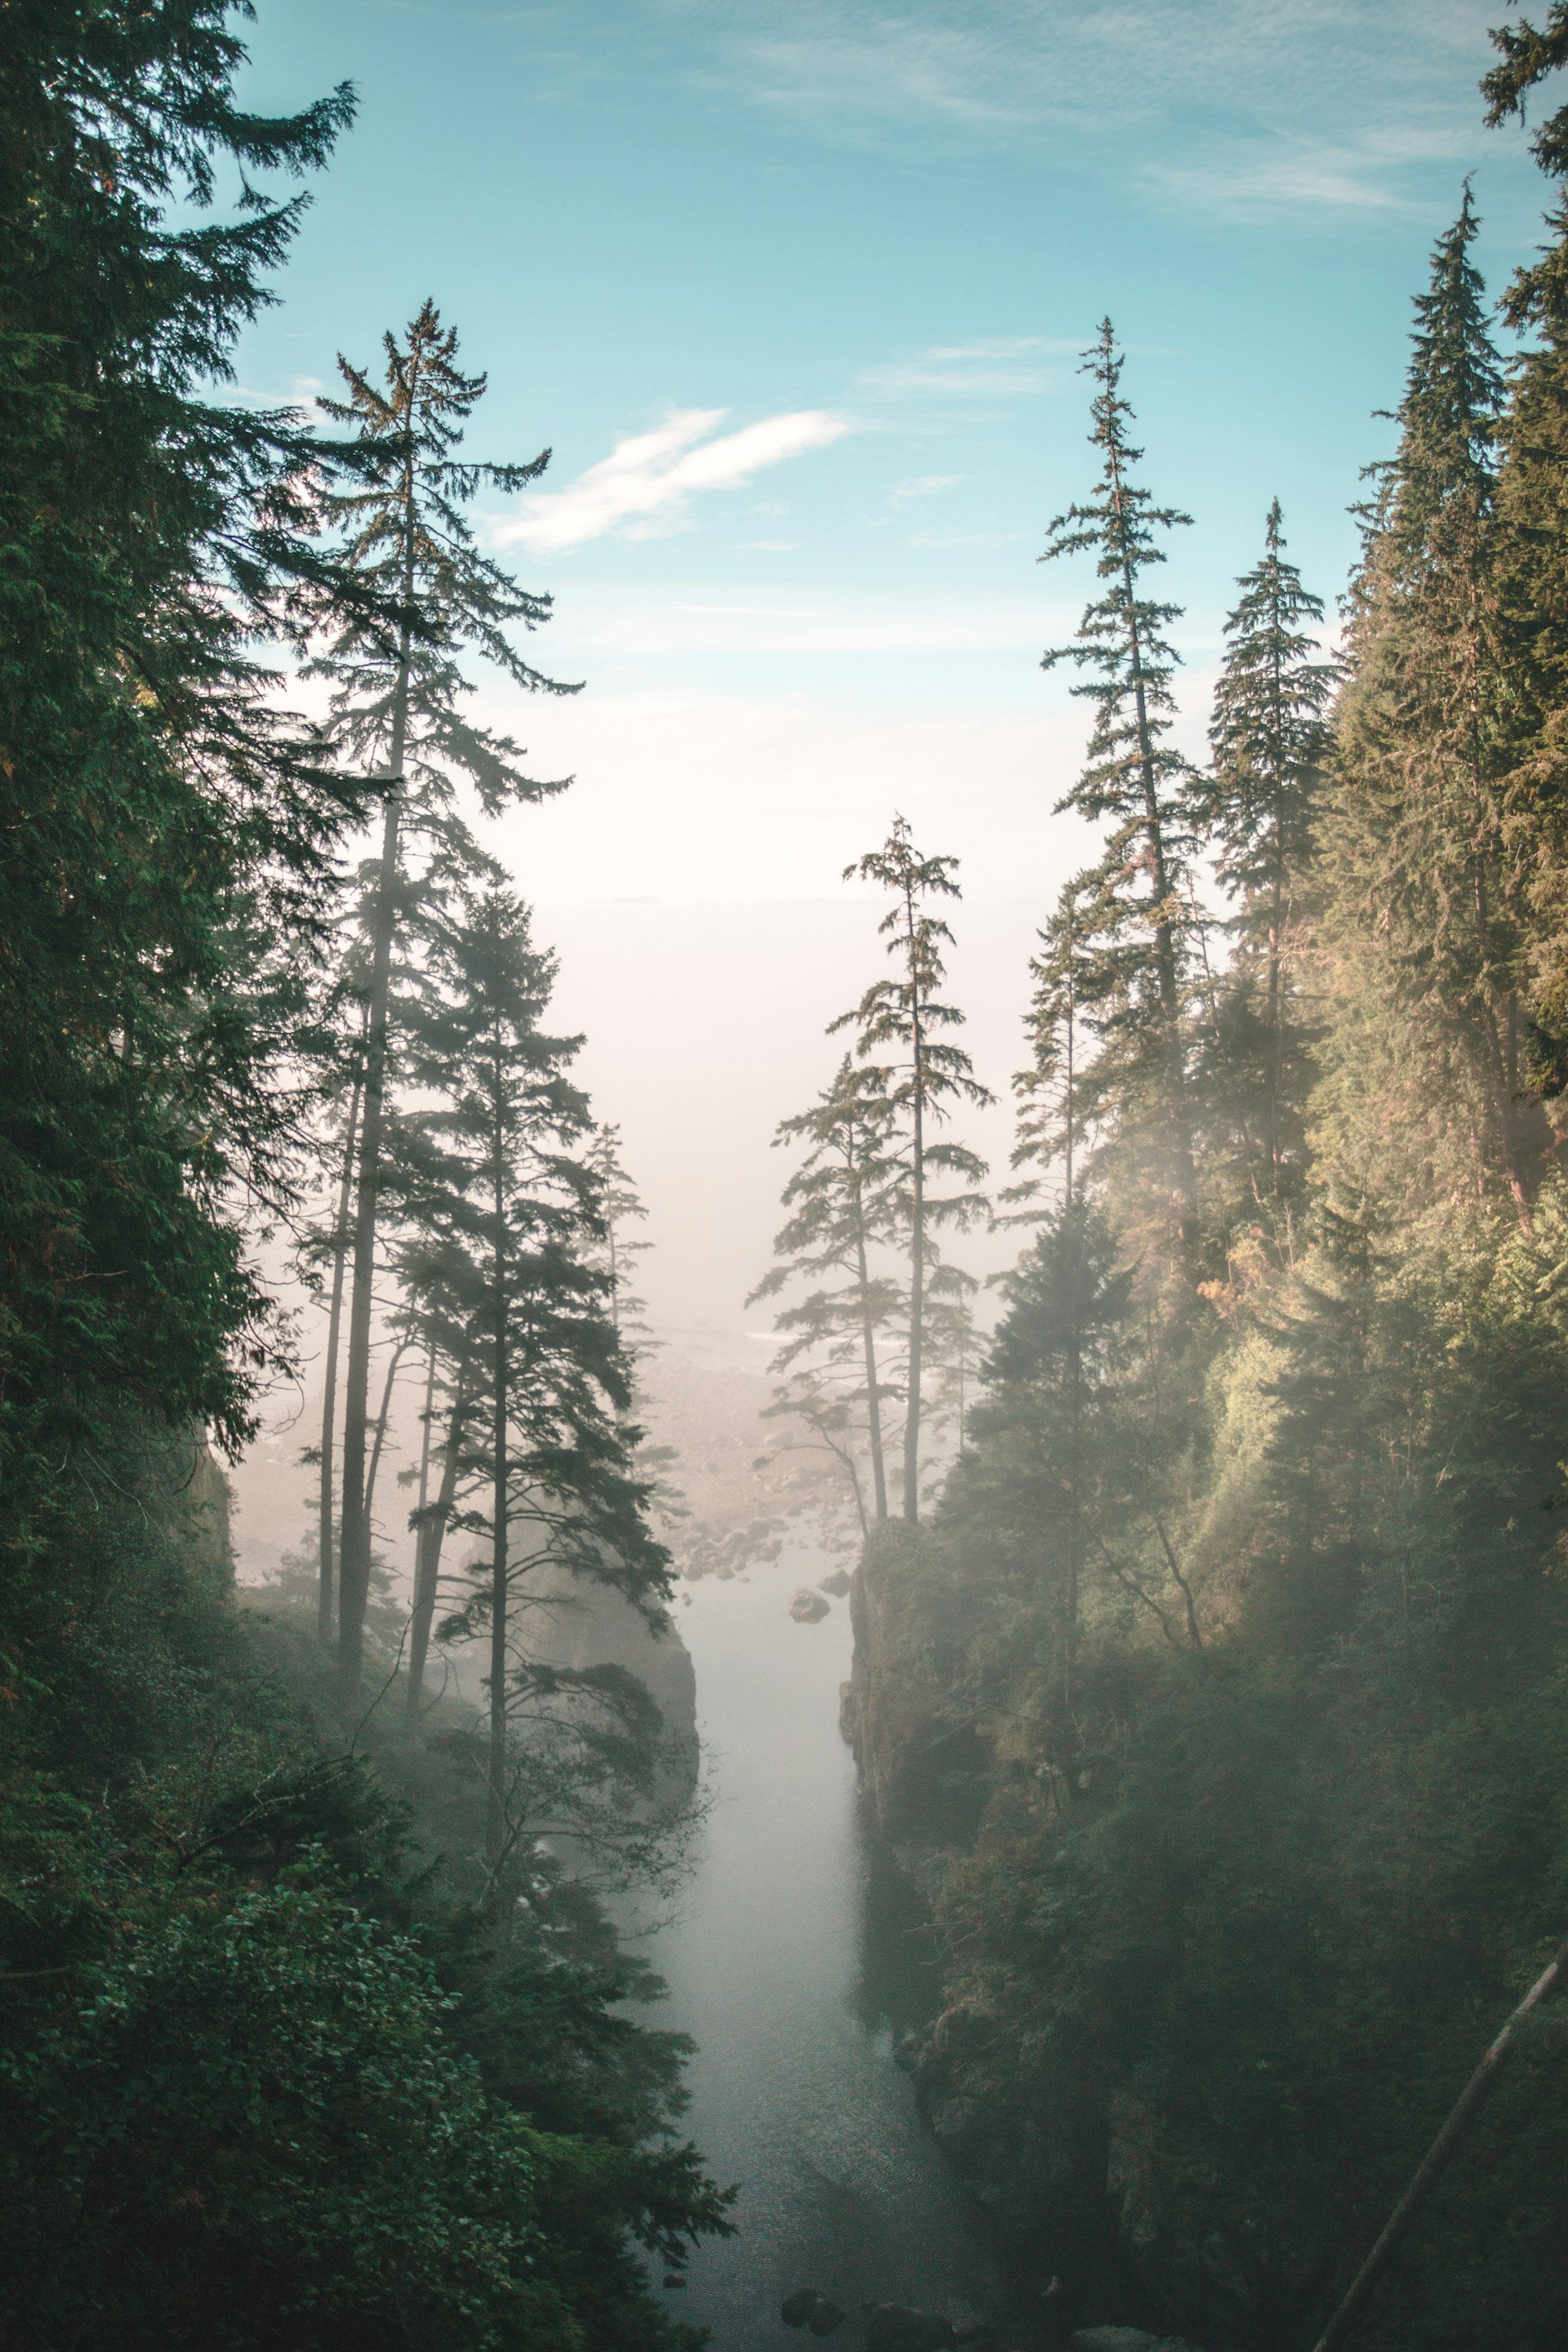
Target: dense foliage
<point>272,2072</point>
<point>1220,1704</point>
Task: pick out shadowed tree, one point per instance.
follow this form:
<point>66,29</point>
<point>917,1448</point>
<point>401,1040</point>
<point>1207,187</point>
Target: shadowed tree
<point>844,1203</point>
<point>540,1452</point>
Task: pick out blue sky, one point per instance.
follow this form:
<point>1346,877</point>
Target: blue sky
<point>794,289</point>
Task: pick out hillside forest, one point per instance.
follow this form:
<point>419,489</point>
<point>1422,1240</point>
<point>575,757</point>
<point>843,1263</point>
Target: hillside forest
<point>1211,1603</point>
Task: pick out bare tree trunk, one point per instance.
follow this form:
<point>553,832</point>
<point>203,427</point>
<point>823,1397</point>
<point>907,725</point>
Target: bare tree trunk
<point>354,1572</point>
<point>917,1292</point>
<point>873,1402</point>
<point>495,1811</point>
<point>397,1355</point>
<point>1467,2106</point>
<point>427,1552</point>
<point>330,1398</point>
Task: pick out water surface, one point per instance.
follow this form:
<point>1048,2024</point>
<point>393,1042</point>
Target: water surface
<point>792,1963</point>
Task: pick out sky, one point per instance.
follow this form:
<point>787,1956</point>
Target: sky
<point>794,292</point>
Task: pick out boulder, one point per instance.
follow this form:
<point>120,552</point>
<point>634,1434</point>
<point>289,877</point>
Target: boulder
<point>837,1583</point>
<point>806,1606</point>
<point>807,2308</point>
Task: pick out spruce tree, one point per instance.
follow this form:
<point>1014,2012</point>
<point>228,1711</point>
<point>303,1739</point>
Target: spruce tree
<point>1423,824</point>
<point>1260,805</point>
<point>170,829</point>
<point>1532,569</point>
<point>398,710</point>
<point>845,1201</point>
<point>1050,1123</point>
<point>542,1452</point>
<point>926,1078</point>
<point>1133,947</point>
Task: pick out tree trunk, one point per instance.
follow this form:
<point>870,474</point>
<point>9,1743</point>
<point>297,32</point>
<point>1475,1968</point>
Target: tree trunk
<point>917,1289</point>
<point>1472,2100</point>
<point>427,1552</point>
<point>495,1810</point>
<point>329,1397</point>
<point>354,1571</point>
<point>873,1402</point>
<point>397,1355</point>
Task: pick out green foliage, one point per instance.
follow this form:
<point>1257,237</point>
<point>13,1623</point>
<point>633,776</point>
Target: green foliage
<point>1220,1698</point>
<point>927,1077</point>
<point>1132,925</point>
<point>268,2075</point>
<point>271,2077</point>
<point>167,830</point>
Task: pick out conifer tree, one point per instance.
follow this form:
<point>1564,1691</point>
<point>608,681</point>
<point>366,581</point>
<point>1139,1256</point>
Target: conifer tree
<point>1133,945</point>
<point>1260,802</point>
<point>170,829</point>
<point>1532,566</point>
<point>542,1452</point>
<point>927,1077</point>
<point>620,1212</point>
<point>398,709</point>
<point>845,1200</point>
<point>1420,830</point>
<point>1048,1087</point>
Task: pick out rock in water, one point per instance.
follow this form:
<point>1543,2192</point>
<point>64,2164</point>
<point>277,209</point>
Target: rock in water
<point>894,2328</point>
<point>807,1606</point>
<point>837,1583</point>
<point>807,2308</point>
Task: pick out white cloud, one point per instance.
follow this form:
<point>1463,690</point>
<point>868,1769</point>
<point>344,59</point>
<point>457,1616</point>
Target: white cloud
<point>1131,76</point>
<point>926,486</point>
<point>645,486</point>
<point>987,368</point>
<point>1357,174</point>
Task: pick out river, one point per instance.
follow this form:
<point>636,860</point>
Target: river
<point>792,1963</point>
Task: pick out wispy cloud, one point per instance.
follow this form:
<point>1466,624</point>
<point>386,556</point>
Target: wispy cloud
<point>645,487</point>
<point>991,368</point>
<point>1125,74</point>
<point>1365,173</point>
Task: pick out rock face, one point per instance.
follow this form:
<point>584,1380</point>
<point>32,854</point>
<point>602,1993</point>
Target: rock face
<point>806,1606</point>
<point>837,1583</point>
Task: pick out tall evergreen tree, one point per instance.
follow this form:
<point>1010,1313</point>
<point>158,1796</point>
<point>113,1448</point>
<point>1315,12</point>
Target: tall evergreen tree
<point>845,1201</point>
<point>398,709</point>
<point>1532,566</point>
<point>170,830</point>
<point>927,1077</point>
<point>1132,947</point>
<point>1260,806</point>
<point>1422,824</point>
<point>544,1455</point>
